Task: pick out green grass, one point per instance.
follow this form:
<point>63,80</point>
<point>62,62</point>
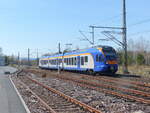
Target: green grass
<point>137,70</point>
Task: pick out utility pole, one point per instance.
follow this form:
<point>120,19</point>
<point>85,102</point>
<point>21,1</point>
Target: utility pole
<point>37,57</point>
<point>28,57</point>
<point>124,36</point>
<point>93,42</point>
<point>18,59</point>
<point>59,50</point>
<point>58,61</point>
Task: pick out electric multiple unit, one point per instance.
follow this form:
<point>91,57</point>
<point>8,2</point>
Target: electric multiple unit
<point>98,59</point>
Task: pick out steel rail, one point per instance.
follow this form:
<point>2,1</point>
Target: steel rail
<point>112,80</point>
<point>109,92</point>
<point>112,92</point>
<point>131,82</point>
<point>120,83</point>
<point>42,101</point>
<point>83,105</point>
<point>108,86</point>
<point>116,79</point>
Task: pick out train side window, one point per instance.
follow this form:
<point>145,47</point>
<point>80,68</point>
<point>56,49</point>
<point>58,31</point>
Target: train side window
<point>97,59</point>
<point>69,61</point>
<point>75,61</point>
<point>86,58</point>
<point>82,60</point>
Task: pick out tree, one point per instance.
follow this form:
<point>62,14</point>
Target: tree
<point>140,59</point>
<point>1,53</point>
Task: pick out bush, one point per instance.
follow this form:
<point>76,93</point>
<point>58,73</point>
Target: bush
<point>140,59</point>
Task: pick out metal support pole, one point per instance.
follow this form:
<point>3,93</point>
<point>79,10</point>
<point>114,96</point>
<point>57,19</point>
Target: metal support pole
<point>58,60</point>
<point>37,57</point>
<point>59,50</point>
<point>124,36</point>
<point>93,36</point>
<point>28,57</point>
<point>18,59</point>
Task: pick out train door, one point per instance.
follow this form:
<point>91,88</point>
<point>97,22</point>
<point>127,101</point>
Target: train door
<point>78,62</point>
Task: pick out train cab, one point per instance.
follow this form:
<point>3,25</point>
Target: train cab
<point>106,60</point>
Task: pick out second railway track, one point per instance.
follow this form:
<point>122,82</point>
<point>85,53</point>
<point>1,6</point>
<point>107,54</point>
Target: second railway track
<point>136,95</point>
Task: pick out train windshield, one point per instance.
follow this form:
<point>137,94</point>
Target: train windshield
<point>111,57</point>
<point>110,53</point>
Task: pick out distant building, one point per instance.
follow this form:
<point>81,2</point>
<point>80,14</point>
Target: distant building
<point>2,60</point>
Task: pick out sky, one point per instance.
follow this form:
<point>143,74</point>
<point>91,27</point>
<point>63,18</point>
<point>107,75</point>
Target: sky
<point>42,24</point>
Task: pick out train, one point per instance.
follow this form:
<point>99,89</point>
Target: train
<point>99,59</point>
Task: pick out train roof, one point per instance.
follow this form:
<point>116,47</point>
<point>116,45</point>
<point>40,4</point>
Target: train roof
<point>92,49</point>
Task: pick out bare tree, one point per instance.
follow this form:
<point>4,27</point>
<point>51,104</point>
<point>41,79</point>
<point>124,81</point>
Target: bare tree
<point>1,51</point>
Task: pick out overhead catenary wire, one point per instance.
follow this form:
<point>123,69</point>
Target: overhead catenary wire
<point>140,22</point>
<point>137,33</point>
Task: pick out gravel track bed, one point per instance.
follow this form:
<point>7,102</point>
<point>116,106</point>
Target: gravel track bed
<point>120,76</point>
<point>101,101</point>
<point>59,104</point>
<point>107,84</point>
<point>32,102</point>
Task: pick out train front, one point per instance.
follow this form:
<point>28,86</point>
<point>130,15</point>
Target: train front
<point>109,64</point>
<point>110,59</point>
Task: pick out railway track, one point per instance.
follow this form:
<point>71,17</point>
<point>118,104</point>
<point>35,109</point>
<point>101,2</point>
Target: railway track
<point>41,100</point>
<point>136,84</point>
<point>59,102</point>
<point>119,82</point>
<point>136,95</point>
<point>92,85</point>
<point>129,81</point>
